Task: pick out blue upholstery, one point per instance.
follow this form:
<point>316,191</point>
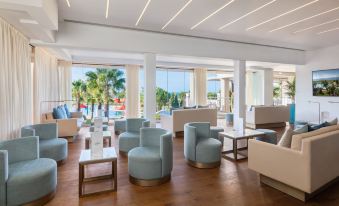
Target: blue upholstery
<point>50,145</point>
<point>215,133</point>
<point>200,144</point>
<point>131,138</point>
<point>270,136</point>
<point>24,177</point>
<point>153,159</point>
<point>68,113</point>
<point>119,126</point>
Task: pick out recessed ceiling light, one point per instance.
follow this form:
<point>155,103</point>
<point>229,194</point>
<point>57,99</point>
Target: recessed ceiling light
<point>305,19</point>
<point>315,26</point>
<point>68,4</point>
<point>142,13</point>
<point>212,14</point>
<point>107,8</point>
<point>188,2</point>
<point>323,32</point>
<point>281,15</point>
<point>249,13</point>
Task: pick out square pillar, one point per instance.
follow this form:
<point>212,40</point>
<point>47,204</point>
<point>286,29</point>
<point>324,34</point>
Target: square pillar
<point>224,94</point>
<point>150,86</point>
<point>132,91</point>
<point>239,92</point>
<point>268,86</point>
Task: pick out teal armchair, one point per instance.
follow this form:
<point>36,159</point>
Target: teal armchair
<point>50,146</point>
<point>24,177</point>
<point>202,148</point>
<point>131,138</point>
<point>151,163</point>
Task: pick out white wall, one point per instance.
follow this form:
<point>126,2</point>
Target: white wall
<point>326,58</point>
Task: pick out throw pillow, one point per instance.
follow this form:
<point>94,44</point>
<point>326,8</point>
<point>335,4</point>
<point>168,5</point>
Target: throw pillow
<point>62,112</point>
<point>286,139</point>
<point>332,122</point>
<point>67,111</point>
<point>56,114</point>
<point>316,127</point>
<point>301,129</point>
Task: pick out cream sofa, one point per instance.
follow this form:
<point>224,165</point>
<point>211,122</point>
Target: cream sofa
<point>267,116</point>
<point>302,170</point>
<point>66,127</point>
<point>175,122</point>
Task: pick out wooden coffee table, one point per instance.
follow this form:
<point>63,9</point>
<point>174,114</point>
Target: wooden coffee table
<point>110,156</point>
<point>106,136</point>
<point>235,136</point>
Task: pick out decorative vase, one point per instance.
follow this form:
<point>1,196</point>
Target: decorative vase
<point>292,113</point>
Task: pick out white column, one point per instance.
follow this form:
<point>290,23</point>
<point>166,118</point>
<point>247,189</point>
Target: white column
<point>132,91</point>
<point>200,85</point>
<point>239,92</point>
<point>192,90</point>
<point>150,86</point>
<point>268,86</point>
<point>224,94</point>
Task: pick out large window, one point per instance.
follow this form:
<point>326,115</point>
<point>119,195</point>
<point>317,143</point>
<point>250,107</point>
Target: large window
<point>213,88</point>
<point>99,89</point>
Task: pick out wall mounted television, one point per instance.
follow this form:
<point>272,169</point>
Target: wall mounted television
<point>325,83</point>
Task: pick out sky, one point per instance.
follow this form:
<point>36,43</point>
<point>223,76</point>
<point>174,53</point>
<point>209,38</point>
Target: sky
<point>171,81</point>
<point>326,74</point>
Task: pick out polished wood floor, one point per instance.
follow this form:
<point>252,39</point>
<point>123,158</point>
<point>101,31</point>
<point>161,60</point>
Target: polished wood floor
<point>231,184</point>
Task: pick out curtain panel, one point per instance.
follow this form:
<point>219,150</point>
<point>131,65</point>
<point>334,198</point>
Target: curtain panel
<point>65,80</point>
<point>15,81</point>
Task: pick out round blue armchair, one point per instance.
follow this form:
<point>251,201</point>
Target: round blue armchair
<point>151,163</point>
<point>202,149</point>
<point>131,138</point>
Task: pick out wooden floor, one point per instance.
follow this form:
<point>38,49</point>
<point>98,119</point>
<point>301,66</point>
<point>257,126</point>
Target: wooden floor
<point>231,184</point>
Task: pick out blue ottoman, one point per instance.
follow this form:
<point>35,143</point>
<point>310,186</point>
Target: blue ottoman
<point>271,136</point>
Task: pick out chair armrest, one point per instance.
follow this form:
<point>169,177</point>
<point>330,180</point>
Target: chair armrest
<point>77,115</point>
<point>283,164</point>
<point>190,142</point>
<point>215,133</point>
<point>3,166</point>
<point>27,131</point>
<point>146,124</point>
<point>21,149</point>
<point>166,153</point>
<point>67,127</point>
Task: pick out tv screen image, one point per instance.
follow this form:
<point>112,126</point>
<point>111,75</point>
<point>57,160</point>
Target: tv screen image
<point>326,82</point>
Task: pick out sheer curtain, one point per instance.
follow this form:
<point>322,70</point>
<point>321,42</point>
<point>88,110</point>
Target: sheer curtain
<point>65,80</point>
<point>46,82</point>
<point>15,81</point>
<point>132,91</point>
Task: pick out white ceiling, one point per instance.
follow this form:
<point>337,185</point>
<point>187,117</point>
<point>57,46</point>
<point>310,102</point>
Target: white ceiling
<point>125,13</point>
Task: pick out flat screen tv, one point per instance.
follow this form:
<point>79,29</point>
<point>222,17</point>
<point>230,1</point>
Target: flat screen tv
<point>326,82</point>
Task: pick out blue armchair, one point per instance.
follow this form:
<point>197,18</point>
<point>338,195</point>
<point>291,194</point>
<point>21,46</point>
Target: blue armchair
<point>202,149</point>
<point>131,138</point>
<point>24,177</point>
<point>151,163</point>
<point>50,146</point>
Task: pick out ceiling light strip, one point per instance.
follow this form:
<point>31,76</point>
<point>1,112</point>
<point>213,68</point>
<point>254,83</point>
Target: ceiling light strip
<point>68,4</point>
<point>249,13</point>
<point>305,19</point>
<point>323,32</point>
<point>143,12</point>
<point>176,14</point>
<point>212,14</point>
<point>315,26</point>
<point>281,15</point>
<point>107,8</point>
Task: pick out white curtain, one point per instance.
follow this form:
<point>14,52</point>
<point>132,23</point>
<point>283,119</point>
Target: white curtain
<point>65,80</point>
<point>15,81</point>
<point>132,91</point>
<point>46,83</point>
<point>200,86</point>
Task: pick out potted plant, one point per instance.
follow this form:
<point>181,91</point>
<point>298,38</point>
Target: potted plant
<point>290,92</point>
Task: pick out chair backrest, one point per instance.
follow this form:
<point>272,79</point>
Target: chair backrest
<point>43,131</point>
<point>134,124</point>
<point>151,136</point>
<point>202,129</point>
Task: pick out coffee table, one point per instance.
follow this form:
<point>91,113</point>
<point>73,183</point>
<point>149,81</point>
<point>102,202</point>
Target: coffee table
<point>110,156</point>
<point>235,136</point>
<point>106,136</point>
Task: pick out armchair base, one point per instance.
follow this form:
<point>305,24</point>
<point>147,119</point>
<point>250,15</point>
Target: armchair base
<point>149,183</point>
<point>61,162</point>
<point>122,153</point>
<point>203,165</point>
<point>42,201</point>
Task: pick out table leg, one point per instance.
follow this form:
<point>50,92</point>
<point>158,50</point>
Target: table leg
<point>81,178</point>
<point>87,144</point>
<point>110,142</point>
<point>114,171</point>
<point>235,149</point>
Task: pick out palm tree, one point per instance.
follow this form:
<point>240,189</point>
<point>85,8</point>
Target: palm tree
<point>78,91</point>
<point>290,87</point>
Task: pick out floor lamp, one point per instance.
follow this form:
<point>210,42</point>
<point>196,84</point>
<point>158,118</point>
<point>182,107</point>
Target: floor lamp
<point>318,109</point>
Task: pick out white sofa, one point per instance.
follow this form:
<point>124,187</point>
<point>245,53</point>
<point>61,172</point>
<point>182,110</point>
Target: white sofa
<point>302,170</point>
<point>175,122</point>
<point>267,116</point>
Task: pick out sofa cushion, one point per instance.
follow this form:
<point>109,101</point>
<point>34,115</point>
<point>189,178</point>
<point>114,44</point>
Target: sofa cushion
<point>297,139</point>
<point>63,112</point>
<point>286,139</point>
<point>68,113</point>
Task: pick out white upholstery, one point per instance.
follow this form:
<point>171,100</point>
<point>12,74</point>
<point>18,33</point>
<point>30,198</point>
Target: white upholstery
<point>267,115</point>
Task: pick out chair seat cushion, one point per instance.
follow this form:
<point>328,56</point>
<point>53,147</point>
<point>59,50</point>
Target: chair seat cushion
<point>55,149</point>
<point>128,141</point>
<point>208,151</point>
<point>31,180</point>
<point>144,163</point>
